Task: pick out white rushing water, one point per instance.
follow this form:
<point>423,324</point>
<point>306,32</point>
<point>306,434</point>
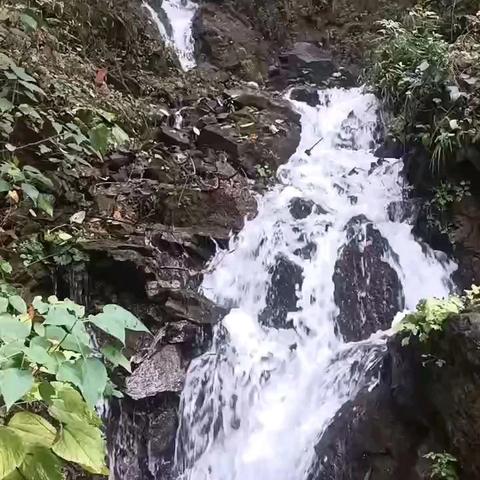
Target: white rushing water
<point>255,405</point>
<point>175,27</point>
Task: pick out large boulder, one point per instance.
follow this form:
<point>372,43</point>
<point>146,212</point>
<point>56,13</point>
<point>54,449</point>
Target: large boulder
<point>287,279</point>
<point>368,291</point>
<point>426,401</point>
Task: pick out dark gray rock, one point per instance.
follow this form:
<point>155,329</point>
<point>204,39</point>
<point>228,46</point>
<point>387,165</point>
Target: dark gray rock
<point>287,277</point>
<point>309,95</point>
<point>368,291</point>
<point>163,372</point>
<point>301,208</point>
<point>170,136</point>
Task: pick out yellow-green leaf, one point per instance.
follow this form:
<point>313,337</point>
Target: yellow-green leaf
<point>14,384</point>
<point>12,451</point>
<point>82,444</point>
<point>33,429</point>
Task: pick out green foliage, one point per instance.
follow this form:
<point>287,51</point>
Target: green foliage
<point>429,317</point>
<point>51,378</point>
<point>52,247</point>
<point>444,466</point>
<point>428,76</point>
<point>26,183</point>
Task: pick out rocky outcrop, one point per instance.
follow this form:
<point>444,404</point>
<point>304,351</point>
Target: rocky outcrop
<point>368,291</point>
<point>282,297</point>
<point>426,401</point>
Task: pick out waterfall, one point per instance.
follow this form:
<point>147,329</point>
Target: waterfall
<point>255,404</point>
<point>175,27</point>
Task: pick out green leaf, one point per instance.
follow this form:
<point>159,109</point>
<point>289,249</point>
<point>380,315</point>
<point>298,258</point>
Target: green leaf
<point>4,186</point>
<point>40,355</point>
<point>129,320</point>
<point>40,306</point>
<point>82,444</point>
<point>120,137</point>
<point>70,373</point>
<point>5,267</point>
<point>109,324</point>
<point>5,105</point>
<point>5,63</point>
<point>69,341</point>
<point>38,177</point>
<point>12,451</point>
<point>99,138</point>
<point>29,23</point>
<point>21,74</point>
<point>94,380</point>
<point>33,429</point>
<point>31,192</point>
<point>18,303</point>
<point>45,203</point>
<point>33,87</point>
<point>61,317</point>
<point>116,357</point>
<point>3,304</point>
<point>41,464</point>
<point>14,384</point>
<point>46,391</point>
<point>13,329</point>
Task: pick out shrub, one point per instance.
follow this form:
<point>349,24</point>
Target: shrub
<point>51,379</point>
<point>444,466</point>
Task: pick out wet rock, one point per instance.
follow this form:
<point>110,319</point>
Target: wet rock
<point>309,95</point>
<point>368,291</point>
<point>170,136</point>
<point>426,401</point>
<point>287,278</point>
<point>404,210</point>
<point>213,136</point>
<point>390,148</point>
<point>141,437</point>
<point>164,372</point>
<point>306,60</point>
<point>301,208</point>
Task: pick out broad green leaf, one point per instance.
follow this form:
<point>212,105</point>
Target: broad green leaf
<point>33,429</point>
<point>94,380</point>
<point>68,341</point>
<point>40,355</point>
<point>31,192</point>
<point>99,138</point>
<point>12,329</point>
<point>128,319</point>
<point>18,303</point>
<point>33,87</point>
<point>82,444</point>
<point>40,464</point>
<point>46,391</point>
<point>5,105</point>
<point>116,357</point>
<point>21,73</point>
<point>60,317</point>
<point>5,61</point>
<point>5,267</point>
<point>12,451</point>
<point>40,306</point>
<point>14,384</point>
<point>120,137</point>
<point>3,304</point>
<point>109,324</point>
<point>29,23</point>
<point>70,407</point>
<point>11,350</point>
<point>38,177</point>
<point>4,186</point>
<point>45,203</point>
<point>71,373</point>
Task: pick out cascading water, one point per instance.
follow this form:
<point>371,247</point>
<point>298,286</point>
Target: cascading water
<point>255,405</point>
<point>175,27</point>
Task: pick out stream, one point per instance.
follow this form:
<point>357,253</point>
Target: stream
<point>255,405</point>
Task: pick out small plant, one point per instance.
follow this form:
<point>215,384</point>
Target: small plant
<point>26,183</point>
<point>51,378</point>
<point>429,317</point>
<point>444,466</point>
<point>53,247</point>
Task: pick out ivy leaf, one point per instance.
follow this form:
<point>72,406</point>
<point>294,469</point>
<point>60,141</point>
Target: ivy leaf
<point>14,384</point>
<point>116,357</point>
<point>94,380</point>
<point>12,451</point>
<point>33,429</point>
<point>45,203</point>
<point>82,444</point>
<point>17,302</point>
